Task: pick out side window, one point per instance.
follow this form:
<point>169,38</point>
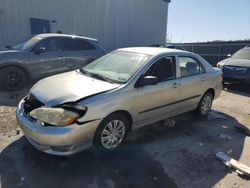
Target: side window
<point>81,45</point>
<point>190,66</point>
<point>53,44</point>
<point>164,69</point>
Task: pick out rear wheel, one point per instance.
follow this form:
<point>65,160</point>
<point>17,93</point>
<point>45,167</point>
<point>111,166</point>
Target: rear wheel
<point>111,132</point>
<point>12,78</point>
<point>205,104</point>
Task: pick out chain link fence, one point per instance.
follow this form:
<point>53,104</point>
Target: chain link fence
<point>214,52</point>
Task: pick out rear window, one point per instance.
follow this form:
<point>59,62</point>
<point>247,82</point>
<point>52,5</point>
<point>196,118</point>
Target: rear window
<point>190,66</point>
<point>81,45</point>
<point>242,54</point>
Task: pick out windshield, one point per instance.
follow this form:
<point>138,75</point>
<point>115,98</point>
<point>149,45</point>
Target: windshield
<point>118,66</point>
<point>26,45</point>
<point>242,54</point>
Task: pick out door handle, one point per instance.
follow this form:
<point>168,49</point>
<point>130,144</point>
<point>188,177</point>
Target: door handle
<point>175,85</point>
<point>203,78</point>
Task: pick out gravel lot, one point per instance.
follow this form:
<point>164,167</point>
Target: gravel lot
<point>154,156</point>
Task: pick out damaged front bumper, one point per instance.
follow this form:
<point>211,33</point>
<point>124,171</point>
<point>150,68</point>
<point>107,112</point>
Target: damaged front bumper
<point>62,141</point>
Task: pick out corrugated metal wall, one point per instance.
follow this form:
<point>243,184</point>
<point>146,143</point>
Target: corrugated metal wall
<point>115,23</point>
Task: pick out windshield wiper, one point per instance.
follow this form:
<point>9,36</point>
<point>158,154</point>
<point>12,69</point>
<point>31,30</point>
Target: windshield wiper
<point>85,72</point>
<point>98,76</point>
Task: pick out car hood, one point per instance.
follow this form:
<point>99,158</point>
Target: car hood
<point>69,87</point>
<point>6,51</point>
<point>10,54</point>
<point>237,62</point>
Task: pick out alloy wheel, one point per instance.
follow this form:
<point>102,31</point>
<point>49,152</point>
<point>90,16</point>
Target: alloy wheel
<point>113,134</point>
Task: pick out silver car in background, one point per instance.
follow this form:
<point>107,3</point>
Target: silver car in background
<point>45,55</point>
<point>117,93</point>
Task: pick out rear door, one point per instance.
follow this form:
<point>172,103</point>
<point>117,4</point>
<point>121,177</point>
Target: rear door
<point>80,52</point>
<point>193,82</point>
<point>159,101</point>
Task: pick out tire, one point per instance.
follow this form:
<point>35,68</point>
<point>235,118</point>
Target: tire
<point>12,78</point>
<point>205,105</point>
<point>104,139</point>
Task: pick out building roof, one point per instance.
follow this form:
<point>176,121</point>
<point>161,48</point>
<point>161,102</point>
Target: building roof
<point>148,50</point>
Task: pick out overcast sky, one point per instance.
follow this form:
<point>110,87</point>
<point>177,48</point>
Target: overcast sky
<point>208,20</point>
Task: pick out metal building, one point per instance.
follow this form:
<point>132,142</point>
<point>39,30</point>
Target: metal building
<point>115,23</point>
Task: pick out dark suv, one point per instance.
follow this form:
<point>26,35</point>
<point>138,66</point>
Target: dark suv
<point>44,55</point>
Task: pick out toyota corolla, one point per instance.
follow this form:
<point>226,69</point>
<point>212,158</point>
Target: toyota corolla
<point>113,95</point>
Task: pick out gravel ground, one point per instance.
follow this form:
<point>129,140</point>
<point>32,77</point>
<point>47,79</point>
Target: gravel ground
<point>154,156</point>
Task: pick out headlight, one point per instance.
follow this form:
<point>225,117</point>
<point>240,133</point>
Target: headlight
<point>56,116</point>
<point>219,65</point>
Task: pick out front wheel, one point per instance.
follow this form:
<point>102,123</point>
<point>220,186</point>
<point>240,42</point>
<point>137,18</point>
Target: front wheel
<point>205,105</point>
<point>111,132</point>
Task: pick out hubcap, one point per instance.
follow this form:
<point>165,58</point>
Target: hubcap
<point>206,105</point>
<point>12,78</point>
<point>113,134</point>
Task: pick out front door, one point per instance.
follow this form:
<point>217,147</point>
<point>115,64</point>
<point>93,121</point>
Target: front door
<point>159,101</point>
<point>51,60</point>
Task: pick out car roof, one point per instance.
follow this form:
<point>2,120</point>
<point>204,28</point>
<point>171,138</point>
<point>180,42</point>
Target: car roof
<point>45,35</point>
<point>163,44</point>
<point>149,50</point>
<point>246,48</point>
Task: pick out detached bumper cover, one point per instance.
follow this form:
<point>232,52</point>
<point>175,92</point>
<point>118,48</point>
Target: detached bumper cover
<point>66,140</point>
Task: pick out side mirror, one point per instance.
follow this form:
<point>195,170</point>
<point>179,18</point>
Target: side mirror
<point>39,50</point>
<point>147,80</point>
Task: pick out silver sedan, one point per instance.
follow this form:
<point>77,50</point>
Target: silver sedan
<point>115,94</point>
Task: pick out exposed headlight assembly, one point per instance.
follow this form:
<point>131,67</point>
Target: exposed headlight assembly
<point>58,116</point>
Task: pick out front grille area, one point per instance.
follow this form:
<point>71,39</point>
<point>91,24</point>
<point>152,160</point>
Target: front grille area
<point>235,70</point>
<point>31,103</point>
